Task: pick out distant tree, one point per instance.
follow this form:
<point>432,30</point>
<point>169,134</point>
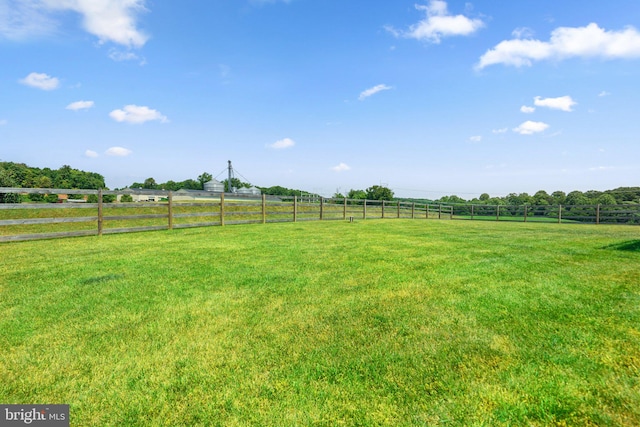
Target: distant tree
<point>559,197</point>
<point>484,197</point>
<point>542,198</point>
<point>357,194</point>
<point>379,192</point>
<point>7,180</point>
<point>126,198</point>
<point>203,178</point>
<point>150,184</point>
<point>576,198</point>
<point>606,199</point>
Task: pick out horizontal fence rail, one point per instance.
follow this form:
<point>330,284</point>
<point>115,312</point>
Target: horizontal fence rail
<point>89,213</point>
<point>97,212</point>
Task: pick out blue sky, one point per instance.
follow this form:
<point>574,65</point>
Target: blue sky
<point>427,97</point>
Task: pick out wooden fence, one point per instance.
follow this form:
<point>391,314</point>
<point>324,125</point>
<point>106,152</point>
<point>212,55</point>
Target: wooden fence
<point>77,217</point>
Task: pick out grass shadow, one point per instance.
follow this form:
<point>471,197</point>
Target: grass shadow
<point>629,246</point>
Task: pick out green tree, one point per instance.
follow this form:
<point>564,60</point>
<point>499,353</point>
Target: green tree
<point>203,178</point>
<point>126,198</point>
<point>150,184</point>
<point>379,192</point>
<point>357,194</point>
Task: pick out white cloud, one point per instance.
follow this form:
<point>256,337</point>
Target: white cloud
<point>118,152</point>
<point>527,110</point>
<point>566,42</point>
<point>342,167</point>
<point>136,114</point>
<point>529,128</point>
<point>522,33</point>
<point>372,91</point>
<point>110,20</point>
<point>438,23</point>
<point>499,131</point>
<point>282,144</point>
<point>79,105</point>
<point>604,93</point>
<point>119,56</point>
<point>476,138</point>
<point>564,103</point>
<point>41,81</point>
<point>91,154</point>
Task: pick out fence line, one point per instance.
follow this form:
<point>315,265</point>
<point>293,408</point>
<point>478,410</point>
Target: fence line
<point>20,221</point>
<point>30,221</point>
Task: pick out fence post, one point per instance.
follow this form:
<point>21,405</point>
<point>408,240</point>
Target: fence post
<point>100,213</point>
<point>559,214</point>
<point>222,209</point>
<point>525,212</point>
<point>383,209</point>
<point>364,209</point>
<point>440,211</point>
<point>598,214</point>
<point>170,210</point>
<point>344,210</point>
<point>413,210</point>
<point>497,212</point>
<point>264,208</point>
<point>295,208</point>
<point>471,212</point>
<point>427,206</point>
<point>321,208</point>
<point>398,208</point>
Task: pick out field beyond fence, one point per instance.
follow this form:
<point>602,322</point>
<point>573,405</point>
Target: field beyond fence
<point>97,212</point>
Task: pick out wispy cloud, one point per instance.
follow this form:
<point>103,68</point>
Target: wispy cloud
<point>563,103</point>
<point>135,114</point>
<point>282,144</point>
<point>500,131</point>
<point>118,152</point>
<point>438,23</point>
<point>342,167</point>
<point>372,91</point>
<point>527,110</point>
<point>41,81</point>
<point>565,42</point>
<point>79,105</point>
<point>110,20</point>
<point>529,128</point>
<point>475,138</point>
<point>604,93</point>
<point>91,154</point>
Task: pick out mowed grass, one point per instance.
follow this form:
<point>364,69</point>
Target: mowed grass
<point>371,323</point>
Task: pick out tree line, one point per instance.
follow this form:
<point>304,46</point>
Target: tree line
<point>20,175</point>
<point>618,196</point>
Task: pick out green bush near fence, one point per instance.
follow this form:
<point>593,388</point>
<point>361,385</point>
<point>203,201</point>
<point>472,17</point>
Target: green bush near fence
<point>370,323</point>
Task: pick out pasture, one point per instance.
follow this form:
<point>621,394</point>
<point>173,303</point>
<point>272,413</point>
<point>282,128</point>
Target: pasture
<point>373,323</point>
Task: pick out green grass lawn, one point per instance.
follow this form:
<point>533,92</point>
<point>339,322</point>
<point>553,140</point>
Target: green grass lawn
<point>371,323</point>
